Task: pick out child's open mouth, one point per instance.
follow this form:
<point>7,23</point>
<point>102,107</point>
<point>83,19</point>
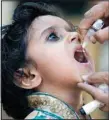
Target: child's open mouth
<point>83,60</point>
<point>80,55</point>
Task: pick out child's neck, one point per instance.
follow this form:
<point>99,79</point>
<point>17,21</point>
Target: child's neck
<point>71,96</point>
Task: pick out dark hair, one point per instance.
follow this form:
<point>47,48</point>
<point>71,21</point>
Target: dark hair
<point>13,56</point>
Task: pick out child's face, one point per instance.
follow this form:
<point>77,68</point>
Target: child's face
<point>52,46</point>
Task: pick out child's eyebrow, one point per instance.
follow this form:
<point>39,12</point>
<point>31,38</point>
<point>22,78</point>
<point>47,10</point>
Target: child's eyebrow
<point>70,25</point>
<point>47,29</point>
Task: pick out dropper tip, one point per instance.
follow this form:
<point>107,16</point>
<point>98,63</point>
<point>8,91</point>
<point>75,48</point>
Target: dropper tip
<point>84,45</point>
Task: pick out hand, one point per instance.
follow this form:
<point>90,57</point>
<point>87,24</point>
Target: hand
<point>99,11</point>
<point>97,78</point>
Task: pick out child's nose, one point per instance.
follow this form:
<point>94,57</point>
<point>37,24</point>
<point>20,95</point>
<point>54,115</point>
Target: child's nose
<point>74,37</point>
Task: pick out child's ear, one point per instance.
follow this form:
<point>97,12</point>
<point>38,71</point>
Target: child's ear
<point>27,78</point>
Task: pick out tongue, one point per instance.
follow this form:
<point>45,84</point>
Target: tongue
<point>80,57</point>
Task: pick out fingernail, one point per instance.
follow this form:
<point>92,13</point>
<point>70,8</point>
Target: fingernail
<point>85,78</point>
<point>93,39</point>
<point>87,13</point>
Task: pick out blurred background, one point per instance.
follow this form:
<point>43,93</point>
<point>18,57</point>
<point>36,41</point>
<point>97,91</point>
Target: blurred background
<point>73,10</point>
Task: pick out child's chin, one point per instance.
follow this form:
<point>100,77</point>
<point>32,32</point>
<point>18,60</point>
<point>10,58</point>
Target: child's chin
<point>86,71</point>
<point>78,79</point>
<point>81,73</point>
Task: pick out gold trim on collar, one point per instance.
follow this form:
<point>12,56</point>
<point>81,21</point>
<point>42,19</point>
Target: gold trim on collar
<point>52,104</point>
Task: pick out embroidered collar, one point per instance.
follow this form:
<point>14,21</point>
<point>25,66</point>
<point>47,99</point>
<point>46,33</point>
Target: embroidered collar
<point>49,103</point>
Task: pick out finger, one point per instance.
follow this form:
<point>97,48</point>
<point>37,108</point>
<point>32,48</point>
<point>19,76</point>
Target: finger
<point>102,35</point>
<point>90,89</point>
<point>105,108</point>
<point>85,24</point>
<point>99,77</point>
<point>95,92</point>
<point>102,11</point>
<point>93,39</point>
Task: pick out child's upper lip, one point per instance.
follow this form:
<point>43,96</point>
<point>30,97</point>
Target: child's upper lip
<point>79,47</point>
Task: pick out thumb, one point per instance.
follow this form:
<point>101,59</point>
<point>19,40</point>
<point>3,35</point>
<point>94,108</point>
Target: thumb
<point>101,36</point>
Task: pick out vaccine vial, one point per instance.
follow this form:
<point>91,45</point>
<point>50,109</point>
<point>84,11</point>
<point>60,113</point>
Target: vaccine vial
<point>95,27</point>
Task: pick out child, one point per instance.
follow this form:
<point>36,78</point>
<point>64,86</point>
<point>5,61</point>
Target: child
<point>42,62</point>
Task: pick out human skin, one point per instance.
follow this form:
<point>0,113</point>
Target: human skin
<point>97,78</point>
<point>52,57</point>
<point>102,12</point>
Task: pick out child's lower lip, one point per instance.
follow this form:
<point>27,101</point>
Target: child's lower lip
<point>84,64</point>
<point>85,67</point>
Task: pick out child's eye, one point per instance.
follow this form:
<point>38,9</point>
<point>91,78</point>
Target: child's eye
<point>53,37</point>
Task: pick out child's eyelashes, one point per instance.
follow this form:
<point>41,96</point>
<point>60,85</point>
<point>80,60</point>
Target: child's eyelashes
<point>54,34</point>
<point>53,37</point>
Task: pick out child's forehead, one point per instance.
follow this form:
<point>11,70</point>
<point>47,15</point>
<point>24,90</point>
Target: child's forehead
<point>47,21</point>
<point>42,23</point>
